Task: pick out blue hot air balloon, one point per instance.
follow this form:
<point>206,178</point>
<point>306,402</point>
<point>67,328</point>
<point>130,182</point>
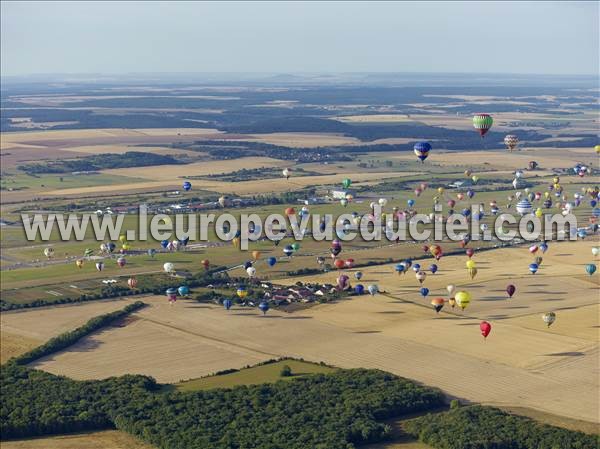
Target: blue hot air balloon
<point>410,203</point>
<point>164,243</point>
<point>590,268</point>
<point>424,292</point>
<point>408,263</point>
<point>183,290</point>
<point>151,252</point>
<point>416,267</point>
<point>373,289</point>
<point>433,268</point>
<point>288,250</point>
<point>247,264</point>
<point>264,307</point>
<point>227,303</point>
<point>422,150</point>
<point>400,267</point>
<point>582,233</point>
<point>466,212</point>
<point>187,186</point>
<point>543,247</point>
<point>272,261</point>
<point>533,267</point>
<point>359,289</point>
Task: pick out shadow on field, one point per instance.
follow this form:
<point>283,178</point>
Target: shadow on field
<point>566,354</point>
<point>391,312</point>
<point>553,299</point>
<point>494,298</point>
<point>367,332</point>
<point>297,317</point>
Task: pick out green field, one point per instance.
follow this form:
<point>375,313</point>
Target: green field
<point>270,372</point>
<point>62,181</point>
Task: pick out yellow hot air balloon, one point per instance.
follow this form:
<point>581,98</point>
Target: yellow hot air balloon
<point>79,263</point>
<point>462,298</point>
<point>539,213</point>
<point>452,302</point>
<point>470,264</point>
<point>441,190</point>
<point>255,254</point>
<point>122,238</point>
<point>235,242</point>
<point>474,178</point>
<point>597,149</point>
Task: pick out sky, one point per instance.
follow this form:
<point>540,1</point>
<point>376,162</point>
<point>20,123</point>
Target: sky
<point>297,37</point>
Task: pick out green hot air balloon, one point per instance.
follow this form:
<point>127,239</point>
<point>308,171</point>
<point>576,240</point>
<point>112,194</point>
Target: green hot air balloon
<point>295,246</point>
<point>482,123</point>
<point>347,183</point>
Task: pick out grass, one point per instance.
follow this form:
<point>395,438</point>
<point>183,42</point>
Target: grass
<point>268,373</point>
<point>69,181</point>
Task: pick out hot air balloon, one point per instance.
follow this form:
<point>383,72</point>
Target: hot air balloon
<point>169,268</point>
<point>510,290</point>
<point>358,275</point>
<point>433,268</point>
<point>339,264</point>
<point>288,250</point>
<point>79,263</point>
<point>320,261</point>
<point>590,268</point>
<point>373,289</point>
<point>438,304</point>
<point>436,251</point>
<point>171,295</point>
<point>164,243</point>
<point>462,298</point>
<point>286,173</point>
<point>242,292</point>
<point>187,186</point>
<point>296,247</point>
<point>290,211</point>
<point>264,307</point>
<point>511,141</point>
<point>151,252</point>
<point>99,266</point>
<point>346,183</point>
<point>88,252</point>
<point>424,291</point>
<point>549,318</point>
<point>533,268</point>
<point>121,262</point>
<point>485,328</point>
<point>132,282</point>
<point>251,271</point>
<point>183,290</point>
<point>342,282</point>
<point>255,254</point>
<point>524,207</point>
<point>49,252</point>
<point>532,165</point>
<point>451,289</point>
<point>595,249</point>
<point>482,123</point>
<point>410,202</point>
<point>223,201</point>
<point>469,252</point>
<point>227,303</point>
<point>271,261</point>
<point>359,289</point>
<point>421,275</point>
<point>422,150</point>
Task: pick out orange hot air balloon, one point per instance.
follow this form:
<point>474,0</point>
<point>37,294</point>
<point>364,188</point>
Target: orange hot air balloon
<point>438,304</point>
<point>255,254</point>
<point>290,211</point>
<point>205,263</point>
<point>436,251</point>
<point>339,264</point>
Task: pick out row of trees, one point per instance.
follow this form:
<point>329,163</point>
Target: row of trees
<point>100,162</point>
<point>479,427</point>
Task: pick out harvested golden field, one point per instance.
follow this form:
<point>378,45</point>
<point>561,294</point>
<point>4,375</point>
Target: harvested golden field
<point>107,439</point>
<point>44,323</point>
<point>518,364</point>
<point>547,158</point>
<point>10,138</point>
<point>12,345</point>
<point>120,149</point>
<point>174,172</point>
<point>243,187</point>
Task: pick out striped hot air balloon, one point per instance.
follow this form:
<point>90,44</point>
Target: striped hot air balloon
<point>482,123</point>
<point>524,207</point>
<point>511,141</point>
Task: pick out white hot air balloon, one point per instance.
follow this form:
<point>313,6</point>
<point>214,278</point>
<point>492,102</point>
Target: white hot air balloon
<point>169,267</point>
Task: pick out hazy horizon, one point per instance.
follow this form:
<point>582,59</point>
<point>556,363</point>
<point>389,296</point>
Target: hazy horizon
<point>125,38</point>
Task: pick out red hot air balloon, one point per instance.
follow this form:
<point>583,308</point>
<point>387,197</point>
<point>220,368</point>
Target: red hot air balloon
<point>132,282</point>
<point>469,252</point>
<point>205,263</point>
<point>485,328</point>
<point>290,211</point>
<point>339,264</point>
<point>511,289</point>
